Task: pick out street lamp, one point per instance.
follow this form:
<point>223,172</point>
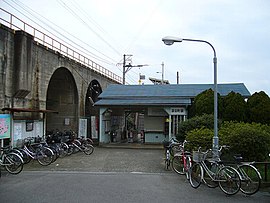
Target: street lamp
<point>169,41</point>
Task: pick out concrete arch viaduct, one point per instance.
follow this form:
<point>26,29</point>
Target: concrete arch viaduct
<point>37,77</point>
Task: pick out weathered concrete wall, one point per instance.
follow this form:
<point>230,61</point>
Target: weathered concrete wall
<point>6,66</point>
<point>26,69</point>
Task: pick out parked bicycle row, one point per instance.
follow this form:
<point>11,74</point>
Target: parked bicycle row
<point>202,167</point>
<point>44,151</point>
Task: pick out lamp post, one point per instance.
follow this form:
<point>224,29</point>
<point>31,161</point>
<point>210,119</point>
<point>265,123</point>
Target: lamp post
<point>169,41</point>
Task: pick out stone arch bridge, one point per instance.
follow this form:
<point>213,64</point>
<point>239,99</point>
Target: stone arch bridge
<point>37,76</point>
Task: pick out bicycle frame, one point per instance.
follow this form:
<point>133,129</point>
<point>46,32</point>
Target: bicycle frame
<point>2,160</point>
<point>184,157</point>
<point>33,155</point>
<point>77,145</point>
<point>210,173</point>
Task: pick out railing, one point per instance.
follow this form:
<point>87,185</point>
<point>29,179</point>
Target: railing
<point>15,23</point>
<point>264,168</point>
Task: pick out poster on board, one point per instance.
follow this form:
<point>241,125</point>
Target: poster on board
<point>82,127</point>
<point>4,126</point>
<point>94,127</point>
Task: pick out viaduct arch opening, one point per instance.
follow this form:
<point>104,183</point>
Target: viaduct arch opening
<point>92,113</point>
<point>62,96</point>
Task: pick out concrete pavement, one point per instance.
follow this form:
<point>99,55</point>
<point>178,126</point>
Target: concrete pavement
<point>126,169</point>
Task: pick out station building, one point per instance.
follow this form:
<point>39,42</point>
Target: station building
<point>156,110</point>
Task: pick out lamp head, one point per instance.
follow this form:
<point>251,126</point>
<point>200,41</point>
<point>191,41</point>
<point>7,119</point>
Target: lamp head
<point>170,40</point>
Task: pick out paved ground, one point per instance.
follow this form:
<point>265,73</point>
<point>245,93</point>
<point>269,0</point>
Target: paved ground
<point>136,172</point>
<point>108,160</point>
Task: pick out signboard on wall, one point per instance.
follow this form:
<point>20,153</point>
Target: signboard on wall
<point>83,127</point>
<point>178,111</point>
<point>94,127</point>
<point>4,126</point>
<point>17,131</point>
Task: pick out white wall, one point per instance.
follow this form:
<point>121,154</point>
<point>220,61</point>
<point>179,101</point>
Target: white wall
<point>20,132</point>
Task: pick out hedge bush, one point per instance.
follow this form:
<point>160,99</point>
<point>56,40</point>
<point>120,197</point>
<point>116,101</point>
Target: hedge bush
<point>252,141</point>
<point>200,138</point>
<point>206,121</point>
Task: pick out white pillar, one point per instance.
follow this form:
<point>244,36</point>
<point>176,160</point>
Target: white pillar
<point>102,138</point>
<point>170,127</point>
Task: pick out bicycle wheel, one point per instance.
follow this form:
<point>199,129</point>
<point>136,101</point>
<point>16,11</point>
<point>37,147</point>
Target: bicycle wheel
<point>167,159</point>
<point>55,153</point>
<point>88,149</point>
<point>250,179</point>
<point>63,149</point>
<point>167,164</point>
<point>178,164</point>
<point>213,168</point>
<point>26,158</point>
<point>196,174</point>
<point>70,149</point>
<point>229,180</point>
<point>188,166</point>
<point>13,163</point>
<point>45,156</point>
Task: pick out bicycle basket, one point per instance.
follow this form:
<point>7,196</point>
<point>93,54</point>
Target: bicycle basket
<point>198,156</point>
<point>166,144</point>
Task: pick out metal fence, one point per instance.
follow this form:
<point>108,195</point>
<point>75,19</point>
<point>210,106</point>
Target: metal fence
<point>15,23</point>
<point>264,168</point>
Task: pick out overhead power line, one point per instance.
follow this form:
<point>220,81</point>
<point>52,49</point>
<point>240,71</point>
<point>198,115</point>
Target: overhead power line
<point>86,24</point>
<point>40,18</point>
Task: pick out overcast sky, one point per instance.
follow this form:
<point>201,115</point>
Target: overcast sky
<point>239,30</point>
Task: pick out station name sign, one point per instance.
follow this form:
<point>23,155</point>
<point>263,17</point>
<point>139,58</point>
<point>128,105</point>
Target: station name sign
<point>178,111</point>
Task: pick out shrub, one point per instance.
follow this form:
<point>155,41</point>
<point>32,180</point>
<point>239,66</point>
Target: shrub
<point>200,138</point>
<point>206,121</point>
<point>252,141</point>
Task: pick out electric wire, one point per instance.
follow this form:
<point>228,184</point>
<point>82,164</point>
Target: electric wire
<point>92,21</point>
<point>75,6</point>
<point>86,24</point>
<point>88,53</point>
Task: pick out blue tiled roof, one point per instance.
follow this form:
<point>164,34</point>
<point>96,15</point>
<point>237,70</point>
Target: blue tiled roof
<point>162,94</point>
<point>143,102</point>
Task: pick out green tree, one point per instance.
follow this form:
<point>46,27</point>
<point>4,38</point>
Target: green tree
<point>259,108</point>
<point>204,103</point>
<point>234,107</point>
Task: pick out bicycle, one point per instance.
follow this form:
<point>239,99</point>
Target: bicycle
<point>181,162</point>
<point>37,151</point>
<point>12,162</point>
<point>226,177</point>
<point>249,174</point>
<point>76,145</point>
<point>171,147</point>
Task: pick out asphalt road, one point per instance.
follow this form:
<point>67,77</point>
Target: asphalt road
<point>109,175</point>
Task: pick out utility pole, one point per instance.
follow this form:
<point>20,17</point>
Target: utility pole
<point>162,73</point>
<point>128,67</point>
<point>124,66</point>
<point>162,76</point>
